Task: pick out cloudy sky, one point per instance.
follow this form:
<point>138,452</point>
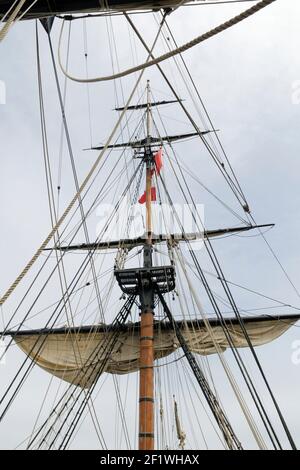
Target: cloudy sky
<point>248,78</point>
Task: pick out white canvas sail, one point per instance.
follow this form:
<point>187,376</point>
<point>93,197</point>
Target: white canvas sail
<point>76,355</point>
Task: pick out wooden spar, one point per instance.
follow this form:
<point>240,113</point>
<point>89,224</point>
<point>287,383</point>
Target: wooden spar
<point>148,171</point>
<point>146,400</point>
<point>148,206</point>
<point>146,403</point>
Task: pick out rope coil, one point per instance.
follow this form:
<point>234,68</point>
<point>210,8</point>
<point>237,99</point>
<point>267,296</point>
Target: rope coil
<point>179,50</point>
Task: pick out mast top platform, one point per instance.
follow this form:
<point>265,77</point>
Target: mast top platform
<point>136,280</point>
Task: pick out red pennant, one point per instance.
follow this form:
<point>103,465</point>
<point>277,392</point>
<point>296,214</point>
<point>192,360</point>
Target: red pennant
<point>142,199</point>
<point>158,161</point>
<point>158,167</point>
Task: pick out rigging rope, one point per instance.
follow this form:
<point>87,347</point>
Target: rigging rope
<point>74,171</point>
<point>180,433</point>
<point>237,357</point>
<point>49,180</point>
<point>199,39</point>
<point>12,19</point>
<point>132,178</point>
<point>232,381</point>
<point>103,349</point>
<point>206,114</point>
<point>216,264</point>
<point>81,188</point>
<point>184,167</point>
<point>4,30</point>
<point>50,323</point>
<point>225,426</point>
<point>221,167</point>
<point>228,293</point>
<point>53,211</point>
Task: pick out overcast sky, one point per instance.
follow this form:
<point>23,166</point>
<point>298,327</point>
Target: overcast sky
<point>248,78</point>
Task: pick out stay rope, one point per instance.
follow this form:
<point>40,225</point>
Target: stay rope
<point>12,16</point>
<point>81,188</point>
<point>179,50</point>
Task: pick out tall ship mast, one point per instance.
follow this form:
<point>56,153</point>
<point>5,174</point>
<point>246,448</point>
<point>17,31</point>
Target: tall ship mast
<point>143,309</point>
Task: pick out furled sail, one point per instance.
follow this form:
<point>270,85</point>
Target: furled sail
<point>74,355</point>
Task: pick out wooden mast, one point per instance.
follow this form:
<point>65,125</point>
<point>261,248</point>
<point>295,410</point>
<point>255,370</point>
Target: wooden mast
<point>146,400</point>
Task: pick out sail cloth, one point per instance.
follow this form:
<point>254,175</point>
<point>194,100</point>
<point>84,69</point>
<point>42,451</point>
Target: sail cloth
<point>75,355</point>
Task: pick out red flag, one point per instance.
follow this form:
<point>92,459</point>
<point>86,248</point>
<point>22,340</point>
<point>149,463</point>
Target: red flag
<point>158,161</point>
<point>158,166</point>
<point>142,199</point>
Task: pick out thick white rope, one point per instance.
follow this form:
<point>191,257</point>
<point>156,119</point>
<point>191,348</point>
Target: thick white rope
<point>9,10</point>
<point>81,188</point>
<point>213,32</point>
<point>11,19</point>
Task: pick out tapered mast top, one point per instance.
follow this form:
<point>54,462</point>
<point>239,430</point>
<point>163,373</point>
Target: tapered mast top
<point>148,113</point>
